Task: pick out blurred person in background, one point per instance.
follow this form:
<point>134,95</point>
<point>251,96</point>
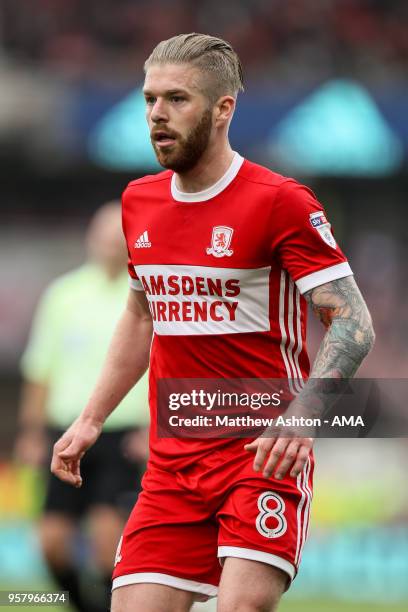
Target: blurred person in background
<point>69,338</point>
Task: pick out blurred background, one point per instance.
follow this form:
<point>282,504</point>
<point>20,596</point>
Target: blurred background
<point>326,102</point>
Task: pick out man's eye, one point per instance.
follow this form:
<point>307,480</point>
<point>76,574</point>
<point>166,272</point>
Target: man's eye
<point>150,100</point>
<point>177,98</point>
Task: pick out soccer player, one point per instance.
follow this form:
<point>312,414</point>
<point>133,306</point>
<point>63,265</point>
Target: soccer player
<point>224,256</point>
<point>71,331</point>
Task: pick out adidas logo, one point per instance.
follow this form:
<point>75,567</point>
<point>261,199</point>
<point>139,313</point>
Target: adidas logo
<point>143,241</point>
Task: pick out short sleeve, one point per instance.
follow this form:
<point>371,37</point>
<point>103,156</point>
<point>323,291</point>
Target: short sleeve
<point>303,239</point>
<point>134,281</point>
<point>38,358</point>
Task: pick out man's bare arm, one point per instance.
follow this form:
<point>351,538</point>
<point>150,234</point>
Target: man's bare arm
<point>126,361</point>
<point>349,338</point>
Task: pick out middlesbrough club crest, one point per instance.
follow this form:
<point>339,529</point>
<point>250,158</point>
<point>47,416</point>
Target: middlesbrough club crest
<point>220,241</point>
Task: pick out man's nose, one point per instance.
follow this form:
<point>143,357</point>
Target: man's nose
<point>159,113</point>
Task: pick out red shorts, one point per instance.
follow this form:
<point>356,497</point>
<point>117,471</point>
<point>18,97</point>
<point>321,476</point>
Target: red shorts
<point>218,507</point>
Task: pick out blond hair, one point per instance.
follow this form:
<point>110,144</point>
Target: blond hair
<point>211,55</point>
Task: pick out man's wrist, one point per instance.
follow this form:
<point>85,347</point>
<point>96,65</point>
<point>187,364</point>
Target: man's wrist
<point>309,406</point>
<point>89,418</point>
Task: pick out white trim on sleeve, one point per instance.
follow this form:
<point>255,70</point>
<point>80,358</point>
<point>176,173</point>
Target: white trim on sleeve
<point>135,284</point>
<point>258,555</point>
<point>323,276</point>
<point>208,590</point>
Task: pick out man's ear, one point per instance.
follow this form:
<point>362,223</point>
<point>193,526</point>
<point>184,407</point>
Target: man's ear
<point>224,109</point>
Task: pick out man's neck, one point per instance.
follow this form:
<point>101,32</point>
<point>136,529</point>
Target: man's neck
<point>210,168</point>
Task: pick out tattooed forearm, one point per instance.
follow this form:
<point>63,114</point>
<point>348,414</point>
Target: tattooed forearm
<point>340,353</point>
<point>349,338</point>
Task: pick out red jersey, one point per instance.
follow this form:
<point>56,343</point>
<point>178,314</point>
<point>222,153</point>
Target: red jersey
<point>224,271</point>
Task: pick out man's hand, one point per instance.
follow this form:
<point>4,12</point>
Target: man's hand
<point>280,453</point>
<point>71,447</point>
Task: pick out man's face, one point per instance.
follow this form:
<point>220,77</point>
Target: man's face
<point>178,114</point>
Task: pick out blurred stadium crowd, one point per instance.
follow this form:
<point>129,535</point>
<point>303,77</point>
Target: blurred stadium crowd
<point>297,40</point>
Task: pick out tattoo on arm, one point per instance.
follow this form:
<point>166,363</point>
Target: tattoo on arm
<point>349,338</point>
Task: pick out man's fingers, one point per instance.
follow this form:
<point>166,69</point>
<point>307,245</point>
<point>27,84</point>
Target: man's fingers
<point>302,456</point>
<point>276,453</point>
<point>71,452</point>
<point>261,452</point>
<point>284,453</point>
<point>266,441</point>
<point>67,475</point>
<point>65,463</point>
<point>261,447</point>
<point>288,459</point>
<point>57,465</point>
<point>76,471</point>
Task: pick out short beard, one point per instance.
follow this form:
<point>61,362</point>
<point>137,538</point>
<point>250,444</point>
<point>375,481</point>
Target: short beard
<point>191,148</point>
